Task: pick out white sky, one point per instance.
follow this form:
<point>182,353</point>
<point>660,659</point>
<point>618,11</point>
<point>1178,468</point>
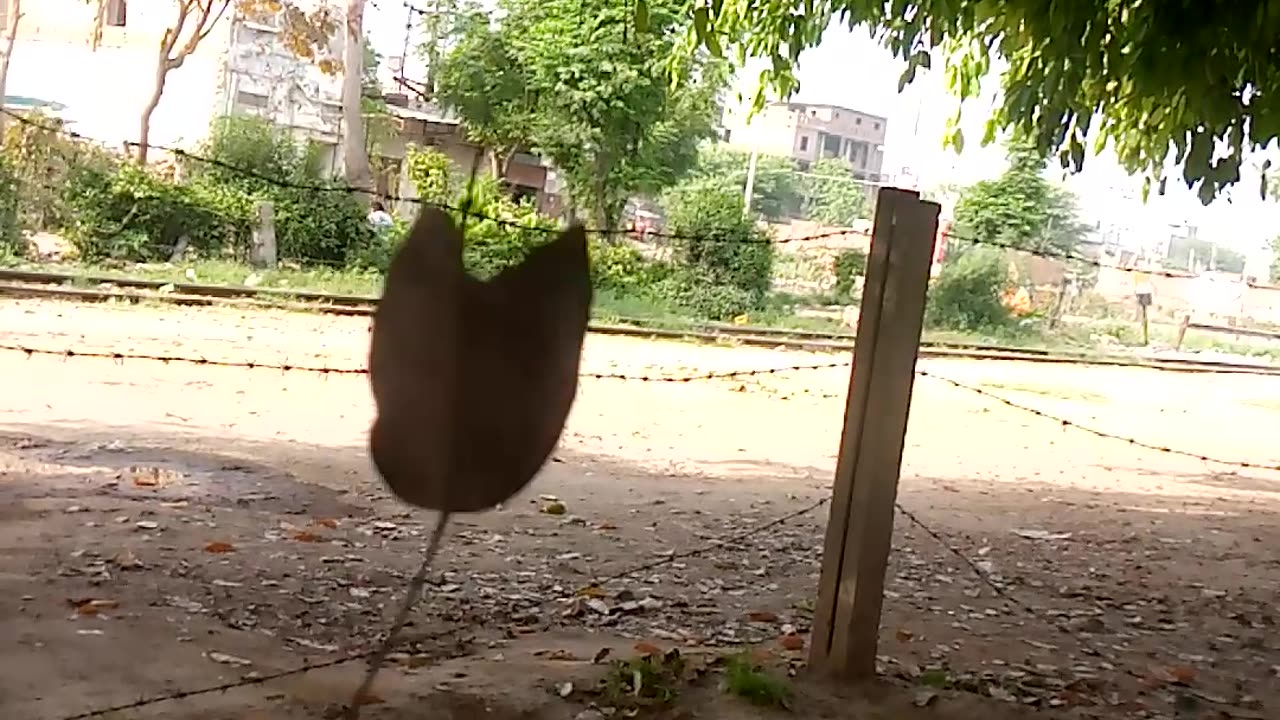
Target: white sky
<point>850,69</point>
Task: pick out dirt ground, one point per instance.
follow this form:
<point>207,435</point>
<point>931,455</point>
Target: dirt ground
<point>170,527</point>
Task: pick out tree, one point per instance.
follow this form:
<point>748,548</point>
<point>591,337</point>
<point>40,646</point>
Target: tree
<point>831,194</point>
<point>1275,260</point>
<point>305,34</point>
<point>482,80</point>
<point>11,19</point>
<point>775,191</point>
<point>590,95</point>
<point>1141,77</point>
<point>1020,209</point>
<point>355,155</point>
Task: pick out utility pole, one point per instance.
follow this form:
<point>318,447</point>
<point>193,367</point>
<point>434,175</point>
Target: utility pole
<point>749,191</point>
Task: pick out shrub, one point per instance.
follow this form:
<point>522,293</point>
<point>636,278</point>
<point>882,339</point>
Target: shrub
<point>850,265</point>
<point>497,231</point>
<point>723,262</point>
<point>252,144</point>
<point>967,296</point>
<point>11,242</point>
<point>622,268</point>
<point>41,158</point>
<point>328,226</point>
<point>128,213</point>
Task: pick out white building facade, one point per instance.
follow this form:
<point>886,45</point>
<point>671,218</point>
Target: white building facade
<point>240,66</point>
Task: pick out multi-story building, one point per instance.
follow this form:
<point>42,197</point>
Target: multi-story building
<point>239,67</point>
<point>809,132</point>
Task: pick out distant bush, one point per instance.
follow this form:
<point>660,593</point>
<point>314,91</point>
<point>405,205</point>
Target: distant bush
<point>11,242</point>
<point>850,265</point>
<point>968,293</point>
<point>722,263</point>
<point>498,232</point>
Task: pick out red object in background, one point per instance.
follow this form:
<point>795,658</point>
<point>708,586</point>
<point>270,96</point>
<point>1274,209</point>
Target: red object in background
<point>940,242</point>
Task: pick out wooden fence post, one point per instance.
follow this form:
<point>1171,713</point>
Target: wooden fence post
<point>860,528</point>
<point>263,253</point>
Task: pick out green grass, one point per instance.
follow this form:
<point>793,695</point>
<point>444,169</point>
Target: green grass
<point>781,311</point>
<point>752,683</point>
<point>217,272</point>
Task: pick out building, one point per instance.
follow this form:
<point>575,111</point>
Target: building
<point>240,66</point>
<point>809,132</point>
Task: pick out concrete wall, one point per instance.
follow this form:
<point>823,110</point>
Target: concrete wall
<point>238,68</point>
<point>106,89</point>
<point>1207,297</point>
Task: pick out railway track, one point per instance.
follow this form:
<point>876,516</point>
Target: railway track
<point>27,283</point>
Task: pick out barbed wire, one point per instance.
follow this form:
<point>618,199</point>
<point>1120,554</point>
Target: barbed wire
<point>253,680</point>
<point>286,366</point>
<point>1065,423</point>
<point>1065,255</point>
<point>712,234</point>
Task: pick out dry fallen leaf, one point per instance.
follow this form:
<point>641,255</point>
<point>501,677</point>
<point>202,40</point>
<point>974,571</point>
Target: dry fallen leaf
<point>792,642</point>
<point>370,699</point>
<point>600,655</point>
<point>762,616</point>
<point>328,522</point>
<point>647,649</point>
<point>306,536</point>
<point>904,636</point>
<point>1184,674</point>
<point>225,659</point>
<point>219,547</point>
<point>92,606</point>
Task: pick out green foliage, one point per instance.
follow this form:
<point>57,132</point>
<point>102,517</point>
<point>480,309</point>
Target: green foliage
<point>832,196</point>
<point>41,158</point>
<point>850,265</point>
<point>1020,209</point>
<point>589,94</point>
<point>1140,77</point>
<point>483,81</point>
<point>723,263</point>
<point>129,213</point>
<point>620,267</point>
<point>751,682</point>
<point>498,231</point>
<point>320,227</point>
<point>134,214</point>
<point>1275,260</point>
<point>11,243</point>
<point>968,293</point>
<point>252,144</point>
<point>775,192</point>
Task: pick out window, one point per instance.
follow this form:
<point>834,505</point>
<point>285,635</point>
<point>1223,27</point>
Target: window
<point>116,13</point>
<point>857,121</point>
<point>250,99</point>
<point>804,142</point>
<point>727,134</point>
<point>876,125</point>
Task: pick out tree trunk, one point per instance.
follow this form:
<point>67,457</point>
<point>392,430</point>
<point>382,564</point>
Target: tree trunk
<point>144,125</point>
<point>10,35</point>
<point>354,155</point>
<point>495,165</point>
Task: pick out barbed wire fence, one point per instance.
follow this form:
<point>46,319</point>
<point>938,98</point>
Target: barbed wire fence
<point>1001,589</point>
<point>1004,590</point>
